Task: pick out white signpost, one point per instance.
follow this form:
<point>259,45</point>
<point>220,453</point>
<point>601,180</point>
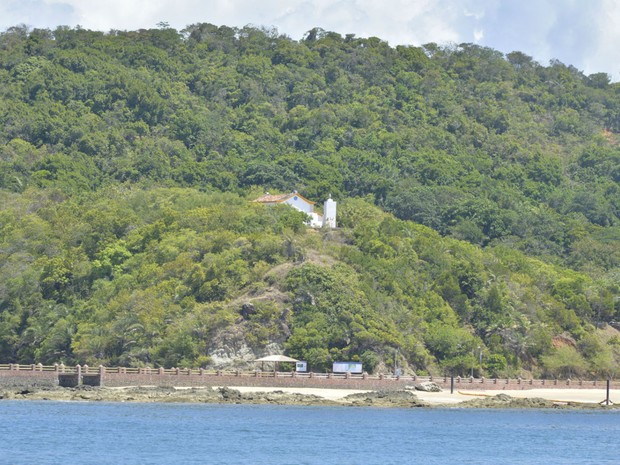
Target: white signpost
<point>347,367</point>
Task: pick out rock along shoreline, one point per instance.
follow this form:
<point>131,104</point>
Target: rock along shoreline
<point>227,395</point>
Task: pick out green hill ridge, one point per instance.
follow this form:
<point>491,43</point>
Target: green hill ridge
<point>478,198</point>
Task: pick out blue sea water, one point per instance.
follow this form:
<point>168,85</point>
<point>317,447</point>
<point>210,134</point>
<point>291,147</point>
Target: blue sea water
<point>46,432</point>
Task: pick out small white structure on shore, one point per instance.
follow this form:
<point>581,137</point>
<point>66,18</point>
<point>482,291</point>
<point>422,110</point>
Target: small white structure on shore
<point>299,202</point>
<point>276,360</point>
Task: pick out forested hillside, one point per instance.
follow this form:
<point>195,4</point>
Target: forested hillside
<point>478,194</point>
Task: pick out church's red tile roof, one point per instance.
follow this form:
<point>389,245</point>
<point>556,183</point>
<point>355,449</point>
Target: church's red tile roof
<point>279,198</point>
<point>270,198</point>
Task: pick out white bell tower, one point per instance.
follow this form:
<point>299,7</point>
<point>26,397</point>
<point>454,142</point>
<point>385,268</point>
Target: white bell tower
<point>329,213</point>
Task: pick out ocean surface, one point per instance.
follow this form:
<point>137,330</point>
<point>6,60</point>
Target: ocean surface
<point>62,433</point>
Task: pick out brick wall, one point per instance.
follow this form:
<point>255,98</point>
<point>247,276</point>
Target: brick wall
<point>388,383</point>
<point>119,377</point>
<point>193,380</point>
<point>28,379</point>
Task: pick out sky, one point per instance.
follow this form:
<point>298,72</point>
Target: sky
<point>581,33</point>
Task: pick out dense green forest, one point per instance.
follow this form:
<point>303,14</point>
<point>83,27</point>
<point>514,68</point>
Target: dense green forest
<point>478,196</point>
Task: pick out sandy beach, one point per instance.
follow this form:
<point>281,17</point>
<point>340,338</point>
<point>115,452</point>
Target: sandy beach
<point>525,398</point>
<point>593,396</point>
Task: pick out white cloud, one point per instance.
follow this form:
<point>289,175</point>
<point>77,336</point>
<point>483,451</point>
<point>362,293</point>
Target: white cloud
<point>34,13</point>
<point>604,55</point>
<point>584,34</point>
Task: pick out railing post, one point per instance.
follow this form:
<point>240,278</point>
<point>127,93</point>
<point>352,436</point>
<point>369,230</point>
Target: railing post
<point>607,401</point>
<point>101,375</point>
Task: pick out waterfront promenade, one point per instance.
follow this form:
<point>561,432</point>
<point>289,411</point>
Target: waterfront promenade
<point>71,376</point>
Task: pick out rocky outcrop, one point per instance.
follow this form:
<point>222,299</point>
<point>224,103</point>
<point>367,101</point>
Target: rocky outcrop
<point>402,398</point>
<point>223,395</point>
<point>427,387</point>
<point>506,401</point>
<point>230,350</point>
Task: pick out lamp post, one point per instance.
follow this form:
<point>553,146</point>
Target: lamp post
<point>473,360</point>
<point>397,371</point>
<point>395,363</point>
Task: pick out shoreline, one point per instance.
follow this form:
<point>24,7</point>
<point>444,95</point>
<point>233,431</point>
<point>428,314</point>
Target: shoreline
<point>594,397</point>
<point>532,398</point>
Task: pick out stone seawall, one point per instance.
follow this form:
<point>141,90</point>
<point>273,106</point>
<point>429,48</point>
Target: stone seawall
<point>118,380</point>
<point>28,379</point>
<point>38,376</point>
<point>370,383</point>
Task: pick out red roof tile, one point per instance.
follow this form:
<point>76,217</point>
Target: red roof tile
<point>269,198</point>
<point>279,198</point>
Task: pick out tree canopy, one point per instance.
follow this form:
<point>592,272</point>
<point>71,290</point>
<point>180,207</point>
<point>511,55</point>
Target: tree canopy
<point>478,193</point>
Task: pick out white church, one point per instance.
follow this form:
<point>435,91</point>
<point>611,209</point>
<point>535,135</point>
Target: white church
<point>299,202</point>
